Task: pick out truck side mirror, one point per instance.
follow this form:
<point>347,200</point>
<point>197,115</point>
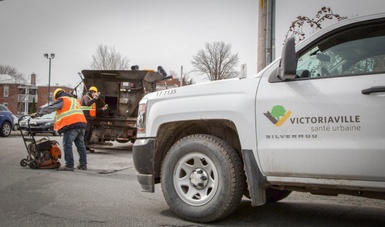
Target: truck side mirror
<point>288,64</point>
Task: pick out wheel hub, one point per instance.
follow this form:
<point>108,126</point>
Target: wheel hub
<point>199,178</point>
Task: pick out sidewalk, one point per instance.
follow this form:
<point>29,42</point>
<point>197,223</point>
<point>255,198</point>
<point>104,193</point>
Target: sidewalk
<point>15,133</point>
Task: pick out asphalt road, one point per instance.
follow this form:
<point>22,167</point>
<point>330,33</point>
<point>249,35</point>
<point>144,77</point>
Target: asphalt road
<point>107,194</point>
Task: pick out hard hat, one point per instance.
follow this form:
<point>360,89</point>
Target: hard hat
<point>93,88</point>
<point>58,90</point>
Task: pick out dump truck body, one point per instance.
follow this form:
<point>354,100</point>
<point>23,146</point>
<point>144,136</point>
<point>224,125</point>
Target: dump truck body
<point>121,90</point>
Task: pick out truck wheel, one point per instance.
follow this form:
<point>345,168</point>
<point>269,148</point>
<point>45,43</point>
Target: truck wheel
<point>202,178</point>
<point>6,129</point>
<point>275,195</point>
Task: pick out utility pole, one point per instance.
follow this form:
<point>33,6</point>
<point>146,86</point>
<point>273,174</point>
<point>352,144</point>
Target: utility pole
<point>261,57</point>
<point>270,31</point>
<point>266,37</point>
<point>181,76</point>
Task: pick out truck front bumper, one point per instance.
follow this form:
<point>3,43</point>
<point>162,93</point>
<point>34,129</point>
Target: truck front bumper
<point>143,157</point>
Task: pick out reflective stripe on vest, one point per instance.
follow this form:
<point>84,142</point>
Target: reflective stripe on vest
<point>91,109</point>
<point>70,113</point>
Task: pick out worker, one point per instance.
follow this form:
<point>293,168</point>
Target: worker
<point>70,121</point>
<point>89,110</point>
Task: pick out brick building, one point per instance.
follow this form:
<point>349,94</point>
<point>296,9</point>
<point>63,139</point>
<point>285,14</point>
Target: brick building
<point>20,96</point>
<point>170,83</point>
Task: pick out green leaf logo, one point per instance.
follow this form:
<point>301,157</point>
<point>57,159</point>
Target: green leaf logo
<point>278,115</point>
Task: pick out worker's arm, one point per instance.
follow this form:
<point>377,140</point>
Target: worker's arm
<point>50,108</point>
<point>87,101</point>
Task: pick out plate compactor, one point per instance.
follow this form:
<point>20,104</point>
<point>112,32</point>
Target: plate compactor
<point>42,154</point>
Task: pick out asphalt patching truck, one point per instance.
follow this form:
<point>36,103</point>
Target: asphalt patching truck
<point>121,90</point>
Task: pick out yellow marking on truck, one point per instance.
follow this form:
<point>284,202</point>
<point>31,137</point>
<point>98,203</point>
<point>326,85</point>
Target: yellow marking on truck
<point>283,119</point>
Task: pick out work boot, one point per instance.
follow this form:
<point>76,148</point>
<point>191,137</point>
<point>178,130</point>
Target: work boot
<point>65,168</point>
<point>82,167</point>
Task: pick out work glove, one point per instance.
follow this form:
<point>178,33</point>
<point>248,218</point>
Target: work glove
<point>35,115</point>
<point>95,95</point>
<point>105,107</point>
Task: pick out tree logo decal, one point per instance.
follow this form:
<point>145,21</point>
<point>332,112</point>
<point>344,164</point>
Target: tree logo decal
<point>278,115</point>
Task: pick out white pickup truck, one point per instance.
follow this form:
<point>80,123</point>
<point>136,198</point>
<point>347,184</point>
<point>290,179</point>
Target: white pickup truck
<point>312,121</point>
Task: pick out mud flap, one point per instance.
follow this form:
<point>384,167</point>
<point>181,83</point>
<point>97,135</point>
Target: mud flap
<point>256,181</point>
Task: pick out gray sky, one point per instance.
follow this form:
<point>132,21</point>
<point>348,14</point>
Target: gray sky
<point>148,32</point>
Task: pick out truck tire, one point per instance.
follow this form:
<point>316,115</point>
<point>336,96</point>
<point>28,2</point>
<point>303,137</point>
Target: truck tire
<point>202,178</point>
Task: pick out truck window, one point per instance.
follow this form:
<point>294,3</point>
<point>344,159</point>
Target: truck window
<point>353,51</point>
<point>374,64</point>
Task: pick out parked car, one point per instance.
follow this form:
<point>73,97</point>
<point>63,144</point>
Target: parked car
<point>22,122</point>
<point>43,124</point>
<point>15,122</point>
<point>6,121</point>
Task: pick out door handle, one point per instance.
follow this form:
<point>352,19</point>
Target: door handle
<point>375,89</point>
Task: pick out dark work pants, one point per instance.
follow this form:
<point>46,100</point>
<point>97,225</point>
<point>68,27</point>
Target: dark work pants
<point>88,134</point>
<point>74,136</point>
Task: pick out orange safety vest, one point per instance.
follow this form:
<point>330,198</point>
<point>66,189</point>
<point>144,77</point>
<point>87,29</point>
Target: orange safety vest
<point>91,109</point>
<point>70,113</point>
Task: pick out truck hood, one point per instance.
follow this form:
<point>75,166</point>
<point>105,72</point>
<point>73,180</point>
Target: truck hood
<point>226,99</point>
<point>212,88</point>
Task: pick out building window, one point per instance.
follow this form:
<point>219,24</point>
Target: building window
<point>6,91</point>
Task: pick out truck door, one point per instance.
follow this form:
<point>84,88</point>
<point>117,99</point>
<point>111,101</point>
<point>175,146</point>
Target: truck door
<point>328,122</point>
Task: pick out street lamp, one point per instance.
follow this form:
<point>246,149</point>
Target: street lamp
<point>49,57</point>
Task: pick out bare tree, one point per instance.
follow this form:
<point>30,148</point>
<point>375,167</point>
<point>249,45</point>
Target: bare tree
<point>17,77</point>
<point>108,59</point>
<point>296,29</point>
<point>216,61</point>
